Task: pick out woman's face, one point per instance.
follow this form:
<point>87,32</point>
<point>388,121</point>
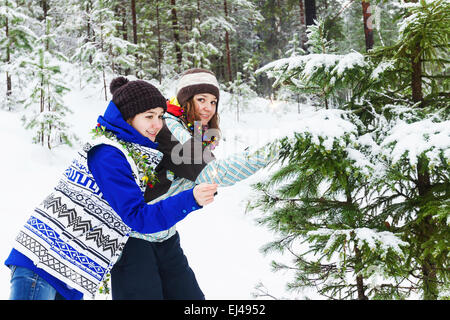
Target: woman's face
<point>205,107</point>
<point>148,123</point>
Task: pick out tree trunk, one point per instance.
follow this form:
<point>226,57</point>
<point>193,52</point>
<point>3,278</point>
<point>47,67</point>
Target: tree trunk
<point>310,12</point>
<point>44,9</point>
<point>368,28</point>
<point>425,227</point>
<point>88,26</point>
<point>227,44</point>
<point>42,92</point>
<point>359,278</point>
<point>135,38</point>
<point>104,84</point>
<point>42,101</point>
<point>8,58</point>
<point>158,32</point>
<point>425,230</point>
<point>176,33</point>
<point>303,38</point>
<point>49,145</point>
<point>358,264</point>
<point>103,67</point>
<point>121,11</point>
<point>416,76</point>
<point>133,16</point>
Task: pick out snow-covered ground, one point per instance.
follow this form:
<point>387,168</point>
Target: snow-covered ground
<point>221,241</point>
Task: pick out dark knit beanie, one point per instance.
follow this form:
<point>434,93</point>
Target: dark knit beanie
<point>195,81</point>
<point>134,97</point>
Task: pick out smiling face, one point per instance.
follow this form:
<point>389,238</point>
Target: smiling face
<point>148,123</point>
<point>205,107</point>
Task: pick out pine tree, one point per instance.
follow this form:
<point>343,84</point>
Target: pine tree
<point>104,51</point>
<point>420,66</point>
<point>322,72</point>
<point>44,67</point>
<point>241,94</point>
<point>296,46</point>
<point>176,32</point>
<point>366,191</point>
<point>196,53</point>
<point>310,12</point>
<point>15,42</point>
<point>384,14</point>
<point>368,27</point>
<point>221,18</point>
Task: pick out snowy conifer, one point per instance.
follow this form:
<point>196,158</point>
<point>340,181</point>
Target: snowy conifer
<point>104,51</point>
<point>45,108</point>
<point>241,94</point>
<point>321,72</point>
<point>361,197</point>
<point>15,42</point>
<point>196,52</point>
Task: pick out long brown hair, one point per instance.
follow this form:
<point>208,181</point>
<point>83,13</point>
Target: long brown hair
<point>190,116</point>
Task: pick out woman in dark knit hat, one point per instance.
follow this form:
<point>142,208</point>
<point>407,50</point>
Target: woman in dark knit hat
<point>190,133</point>
<point>76,235</point>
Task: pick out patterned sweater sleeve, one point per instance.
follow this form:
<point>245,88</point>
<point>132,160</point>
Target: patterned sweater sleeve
<point>224,172</point>
<point>228,171</point>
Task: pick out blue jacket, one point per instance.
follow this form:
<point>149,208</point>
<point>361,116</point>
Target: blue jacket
<point>113,175</point>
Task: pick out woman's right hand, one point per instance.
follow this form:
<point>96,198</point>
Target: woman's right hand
<point>204,193</point>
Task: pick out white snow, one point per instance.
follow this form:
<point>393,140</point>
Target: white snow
<point>387,240</point>
<point>411,139</point>
<point>363,236</point>
<point>325,127</point>
<point>383,66</point>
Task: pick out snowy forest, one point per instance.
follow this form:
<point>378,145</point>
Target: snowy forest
<point>359,194</point>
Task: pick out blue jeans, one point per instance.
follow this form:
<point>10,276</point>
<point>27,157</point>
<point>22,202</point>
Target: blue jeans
<point>27,285</point>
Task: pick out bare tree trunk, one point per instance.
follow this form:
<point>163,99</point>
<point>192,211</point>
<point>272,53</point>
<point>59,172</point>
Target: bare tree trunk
<point>368,28</point>
<point>176,33</point>
<point>158,32</point>
<point>104,84</point>
<point>8,58</point>
<point>47,96</point>
<point>103,68</point>
<point>133,16</point>
<point>88,26</point>
<point>302,23</point>
<point>42,92</point>
<point>310,12</point>
<point>416,76</point>
<point>49,125</point>
<point>121,11</point>
<point>227,44</point>
<point>135,37</point>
